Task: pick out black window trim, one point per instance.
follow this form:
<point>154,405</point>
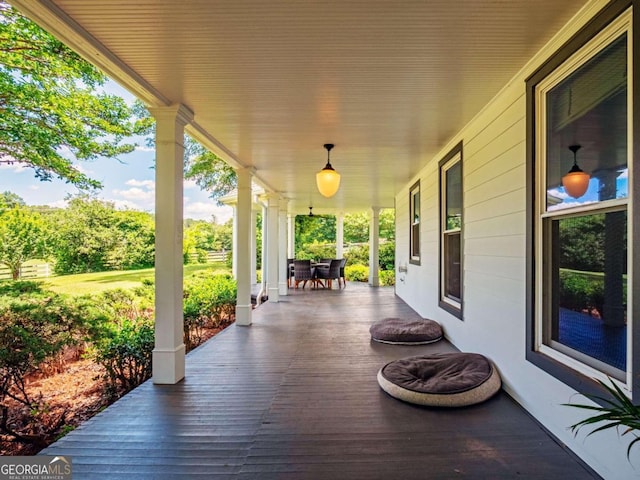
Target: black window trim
<point>412,259</point>
<point>562,372</point>
<point>452,309</point>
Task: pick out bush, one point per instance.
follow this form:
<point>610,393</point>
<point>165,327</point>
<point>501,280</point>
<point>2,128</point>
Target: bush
<point>387,256</point>
<point>387,277</point>
<point>208,302</point>
<point>126,356</point>
<point>316,251</point>
<point>356,273</point>
<point>581,291</point>
<point>358,255</point>
<point>35,330</point>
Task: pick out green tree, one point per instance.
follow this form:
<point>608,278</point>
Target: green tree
<point>92,236</point>
<point>52,113</point>
<point>356,227</point>
<point>316,228</point>
<point>10,200</point>
<point>23,236</point>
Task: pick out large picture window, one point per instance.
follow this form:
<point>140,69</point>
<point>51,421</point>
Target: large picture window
<point>414,215</point>
<point>582,151</point>
<point>451,232</point>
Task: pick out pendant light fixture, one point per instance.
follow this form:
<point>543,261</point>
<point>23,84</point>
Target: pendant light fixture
<point>327,179</point>
<point>311,211</point>
<point>575,181</point>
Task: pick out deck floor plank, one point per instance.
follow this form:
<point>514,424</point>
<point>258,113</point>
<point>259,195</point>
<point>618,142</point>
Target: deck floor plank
<point>295,396</point>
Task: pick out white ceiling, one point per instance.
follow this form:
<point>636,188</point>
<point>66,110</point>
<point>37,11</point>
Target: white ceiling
<point>388,82</point>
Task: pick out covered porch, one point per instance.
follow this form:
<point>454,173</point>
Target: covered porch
<point>295,396</point>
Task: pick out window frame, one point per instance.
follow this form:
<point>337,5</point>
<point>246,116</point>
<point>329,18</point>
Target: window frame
<point>584,45</point>
<point>414,227</point>
<point>452,305</point>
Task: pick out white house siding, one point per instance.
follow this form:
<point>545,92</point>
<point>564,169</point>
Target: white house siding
<point>494,157</point>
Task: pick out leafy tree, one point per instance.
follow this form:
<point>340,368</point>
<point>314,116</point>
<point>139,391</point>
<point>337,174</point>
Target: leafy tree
<point>10,200</point>
<point>92,236</point>
<point>23,236</point>
<point>316,228</point>
<point>51,111</point>
<point>582,240</point>
<point>356,227</point>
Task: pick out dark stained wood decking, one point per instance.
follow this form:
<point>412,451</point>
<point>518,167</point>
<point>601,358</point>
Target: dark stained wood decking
<point>295,396</point>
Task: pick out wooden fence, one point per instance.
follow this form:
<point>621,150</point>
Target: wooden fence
<point>29,270</point>
<point>211,256</point>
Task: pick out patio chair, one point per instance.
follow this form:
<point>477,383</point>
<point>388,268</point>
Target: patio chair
<point>343,262</point>
<point>302,272</point>
<point>289,271</point>
<point>330,272</point>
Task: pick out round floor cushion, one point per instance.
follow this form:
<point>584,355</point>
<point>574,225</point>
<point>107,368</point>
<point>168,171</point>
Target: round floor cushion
<point>441,379</point>
<point>401,331</point>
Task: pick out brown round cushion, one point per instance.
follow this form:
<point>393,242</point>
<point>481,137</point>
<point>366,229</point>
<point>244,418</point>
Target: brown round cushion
<point>401,331</point>
<point>441,379</point>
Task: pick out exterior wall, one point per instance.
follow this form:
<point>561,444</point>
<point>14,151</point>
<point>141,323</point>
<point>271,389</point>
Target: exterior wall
<point>494,303</point>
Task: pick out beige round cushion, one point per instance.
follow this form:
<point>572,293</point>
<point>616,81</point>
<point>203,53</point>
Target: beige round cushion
<point>400,331</point>
<point>441,379</point>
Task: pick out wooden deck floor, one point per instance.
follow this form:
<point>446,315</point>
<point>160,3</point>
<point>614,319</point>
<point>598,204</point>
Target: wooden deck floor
<point>295,396</point>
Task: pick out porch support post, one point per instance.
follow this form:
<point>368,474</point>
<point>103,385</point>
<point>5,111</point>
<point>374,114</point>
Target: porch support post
<point>273,237</point>
<point>234,242</point>
<point>340,235</point>
<point>291,230</point>
<point>282,247</point>
<point>374,239</point>
<point>168,357</point>
<point>254,247</point>
<point>243,248</point>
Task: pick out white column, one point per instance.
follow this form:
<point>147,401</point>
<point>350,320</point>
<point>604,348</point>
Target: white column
<point>243,248</point>
<point>273,210</point>
<point>282,247</point>
<point>234,242</point>
<point>291,231</point>
<point>168,356</point>
<point>340,235</point>
<point>374,239</point>
<point>254,247</point>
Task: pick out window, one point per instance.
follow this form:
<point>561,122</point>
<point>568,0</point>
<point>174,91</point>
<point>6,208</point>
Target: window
<point>451,232</point>
<point>414,215</point>
<point>581,228</point>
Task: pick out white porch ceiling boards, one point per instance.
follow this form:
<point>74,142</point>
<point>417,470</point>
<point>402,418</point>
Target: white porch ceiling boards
<point>388,82</point>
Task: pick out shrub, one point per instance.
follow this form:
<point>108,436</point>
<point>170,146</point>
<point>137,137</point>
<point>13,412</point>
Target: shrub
<point>358,255</point>
<point>126,355</point>
<point>356,273</point>
<point>581,291</point>
<point>387,256</point>
<point>35,329</point>
<point>208,302</point>
<point>387,277</point>
<point>316,251</point>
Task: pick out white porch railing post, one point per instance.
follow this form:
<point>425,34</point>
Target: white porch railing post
<point>282,247</point>
<point>374,240</point>
<point>273,211</point>
<point>234,242</point>
<point>242,247</point>
<point>169,352</point>
<point>291,232</point>
<point>340,235</point>
<point>254,246</point>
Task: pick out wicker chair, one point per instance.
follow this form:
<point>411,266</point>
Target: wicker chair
<point>330,272</point>
<point>289,271</point>
<point>343,262</point>
<point>302,272</point>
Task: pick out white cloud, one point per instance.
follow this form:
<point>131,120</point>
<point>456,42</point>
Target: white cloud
<point>190,184</point>
<point>136,194</point>
<point>556,192</point>
<point>150,184</point>
<point>58,204</point>
<point>13,167</point>
<point>204,211</point>
<point>144,148</point>
<point>624,173</point>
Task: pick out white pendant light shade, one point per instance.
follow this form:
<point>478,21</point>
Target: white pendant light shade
<point>327,179</point>
<point>576,181</point>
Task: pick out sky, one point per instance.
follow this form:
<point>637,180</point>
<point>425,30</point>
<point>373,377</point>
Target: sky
<point>128,181</point>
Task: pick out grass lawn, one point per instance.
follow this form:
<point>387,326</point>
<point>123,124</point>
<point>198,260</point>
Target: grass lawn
<point>95,282</point>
